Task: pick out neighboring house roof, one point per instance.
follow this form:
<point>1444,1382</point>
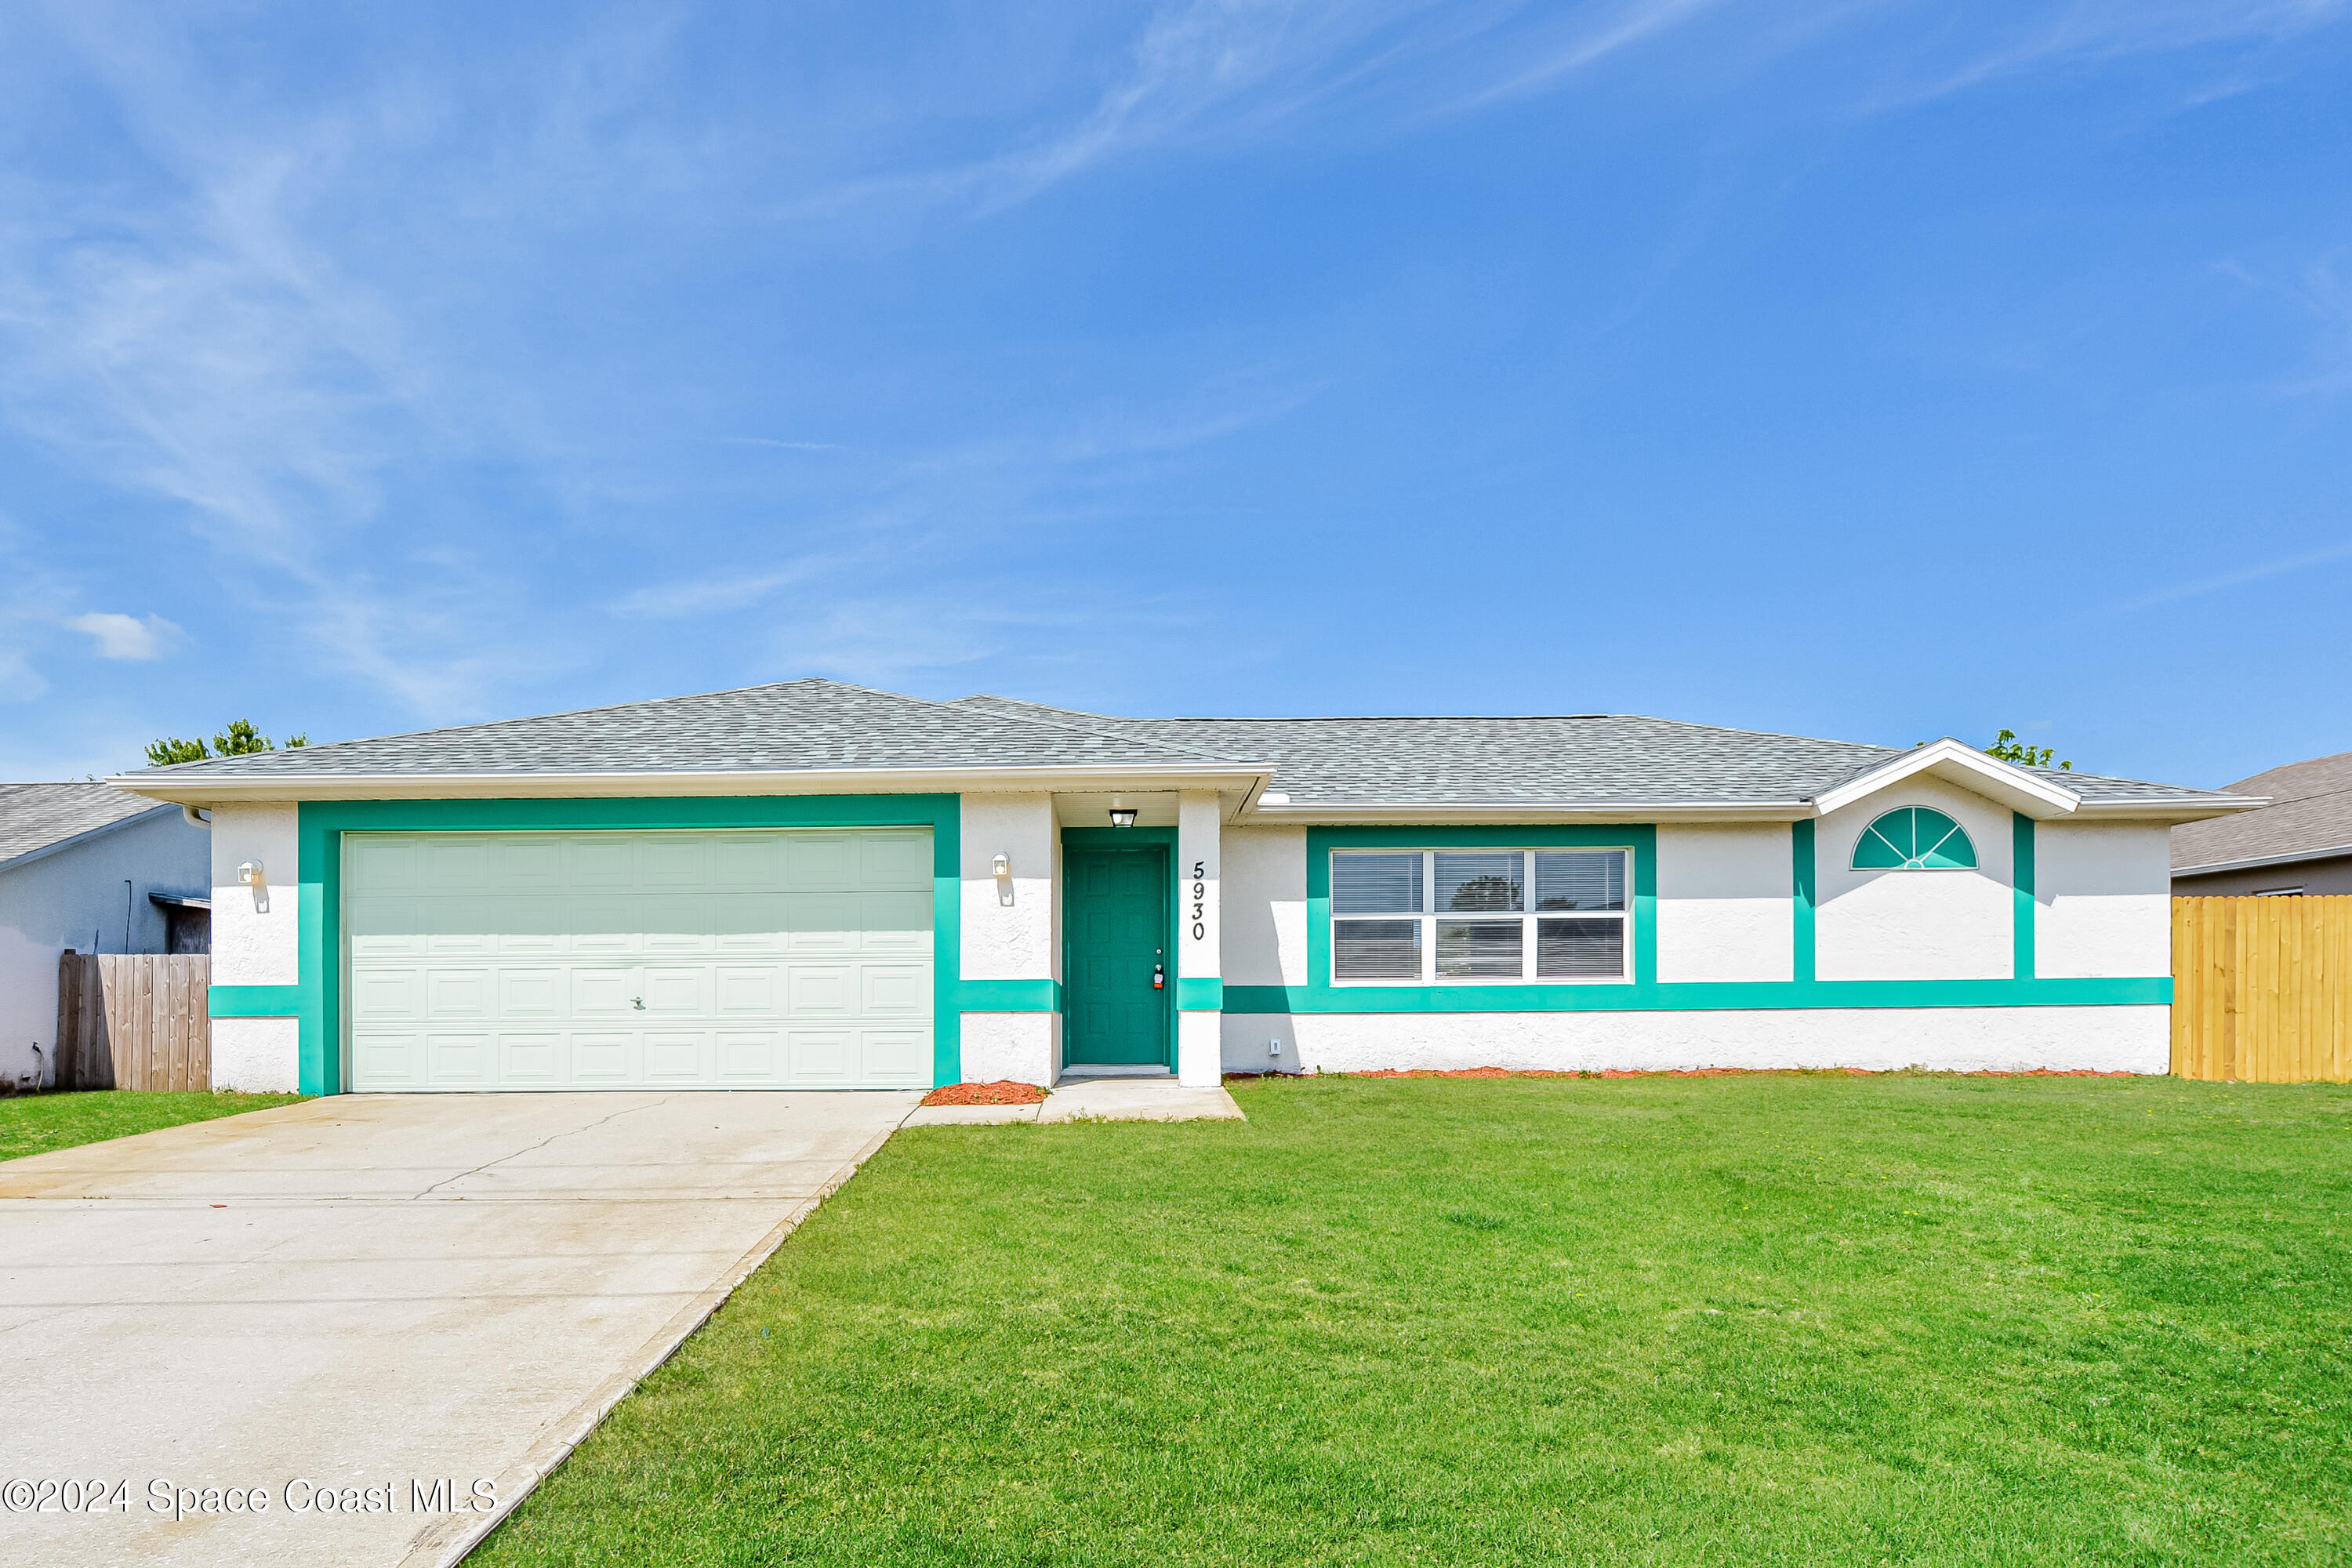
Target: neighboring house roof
<point>2309,817</point>
<point>822,731</point>
<point>38,818</point>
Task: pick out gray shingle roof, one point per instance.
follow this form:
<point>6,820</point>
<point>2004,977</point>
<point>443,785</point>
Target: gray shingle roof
<point>1587,759</point>
<point>34,817</point>
<point>793,724</point>
<point>1572,759</point>
<point>2310,811</point>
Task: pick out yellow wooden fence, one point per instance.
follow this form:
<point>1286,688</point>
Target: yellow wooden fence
<point>2261,989</point>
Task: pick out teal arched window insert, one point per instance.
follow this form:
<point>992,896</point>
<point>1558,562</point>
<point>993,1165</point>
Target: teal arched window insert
<point>1914,839</point>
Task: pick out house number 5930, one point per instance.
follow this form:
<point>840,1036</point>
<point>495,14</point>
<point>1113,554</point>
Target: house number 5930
<point>1199,900</point>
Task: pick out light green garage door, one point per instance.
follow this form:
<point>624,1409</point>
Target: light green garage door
<point>755,959</point>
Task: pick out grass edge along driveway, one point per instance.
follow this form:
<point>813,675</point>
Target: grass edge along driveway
<point>1768,1319</point>
<point>42,1123</point>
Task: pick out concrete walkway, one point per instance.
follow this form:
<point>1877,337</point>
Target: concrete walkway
<point>1083,1099</point>
<point>354,1296</point>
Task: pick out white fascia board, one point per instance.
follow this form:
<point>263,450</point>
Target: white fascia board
<point>1958,763</point>
<point>2293,858</point>
<point>1547,812</point>
<point>194,789</point>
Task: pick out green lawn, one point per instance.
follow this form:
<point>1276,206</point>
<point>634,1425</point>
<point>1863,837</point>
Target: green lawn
<point>1787,1319</point>
<point>37,1123</point>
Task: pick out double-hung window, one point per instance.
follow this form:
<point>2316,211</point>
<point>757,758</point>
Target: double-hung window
<point>1455,916</point>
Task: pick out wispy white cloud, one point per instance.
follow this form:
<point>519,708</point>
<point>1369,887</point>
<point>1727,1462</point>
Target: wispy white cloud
<point>126,636</point>
<point>2083,31</point>
<point>1588,44</point>
<point>2237,579</point>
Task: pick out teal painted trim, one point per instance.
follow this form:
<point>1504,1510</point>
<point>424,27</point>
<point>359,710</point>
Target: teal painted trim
<point>1012,996</point>
<point>1695,997</point>
<point>1803,870</point>
<point>257,1001</point>
<point>1118,838</point>
<point>1199,995</point>
<point>324,822</point>
<point>1645,993</point>
<point>1640,837</point>
<point>2020,838</point>
<point>1134,838</point>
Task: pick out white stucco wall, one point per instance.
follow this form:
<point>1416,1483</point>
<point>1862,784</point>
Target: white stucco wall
<point>1017,1046</point>
<point>1726,906</point>
<point>258,1056</point>
<point>2103,898</point>
<point>1008,925</point>
<point>75,897</point>
<point>1915,925</point>
<point>1266,906</point>
<point>256,936</point>
<point>1949,1039</point>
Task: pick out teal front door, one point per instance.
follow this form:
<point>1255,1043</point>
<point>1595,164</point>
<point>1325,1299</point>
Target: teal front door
<point>1119,974</point>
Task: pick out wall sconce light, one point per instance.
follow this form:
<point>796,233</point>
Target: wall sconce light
<point>250,875</point>
<point>1122,817</point>
<point>1001,865</point>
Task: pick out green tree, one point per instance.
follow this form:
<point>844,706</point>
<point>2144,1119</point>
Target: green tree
<point>2009,749</point>
<point>240,739</point>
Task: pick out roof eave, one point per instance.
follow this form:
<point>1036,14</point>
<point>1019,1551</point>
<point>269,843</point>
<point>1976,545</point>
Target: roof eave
<point>1630,812</point>
<point>228,789</point>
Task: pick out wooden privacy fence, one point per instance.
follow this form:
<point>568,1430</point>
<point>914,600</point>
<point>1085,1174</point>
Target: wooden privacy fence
<point>2261,989</point>
<point>135,1020</point>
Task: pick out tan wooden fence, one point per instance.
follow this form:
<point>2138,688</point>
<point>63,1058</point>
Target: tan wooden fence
<point>135,1020</point>
<point>2261,989</point>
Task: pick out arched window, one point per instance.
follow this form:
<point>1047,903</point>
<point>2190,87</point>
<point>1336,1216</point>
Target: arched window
<point>1914,839</point>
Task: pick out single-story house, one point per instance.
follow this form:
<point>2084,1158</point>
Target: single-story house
<point>88,867</point>
<point>811,884</point>
<point>2299,843</point>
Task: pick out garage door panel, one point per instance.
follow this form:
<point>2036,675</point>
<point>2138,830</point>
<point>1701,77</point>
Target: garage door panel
<point>530,993</point>
<point>818,989</point>
<point>754,959</point>
<point>601,992</point>
<point>533,1058</point>
<point>451,1057</point>
<point>823,1056</point>
<point>383,864</point>
<point>820,861</point>
<point>392,995</point>
<point>748,1056</point>
<point>894,860</point>
<point>596,860</point>
<point>458,994</point>
<point>388,1061</point>
<point>897,1057</point>
<point>526,922</point>
<point>898,990</point>
<point>456,863</point>
<point>678,922</point>
<point>386,926</point>
<point>678,1055</point>
<point>602,922</point>
<point>749,990</point>
<point>602,1056</point>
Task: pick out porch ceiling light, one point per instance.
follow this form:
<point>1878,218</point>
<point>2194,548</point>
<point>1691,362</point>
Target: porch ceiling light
<point>1122,817</point>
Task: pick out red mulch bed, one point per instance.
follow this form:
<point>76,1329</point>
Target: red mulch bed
<point>1679,1072</point>
<point>1003,1091</point>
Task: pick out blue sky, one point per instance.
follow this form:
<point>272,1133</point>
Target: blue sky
<point>1862,368</point>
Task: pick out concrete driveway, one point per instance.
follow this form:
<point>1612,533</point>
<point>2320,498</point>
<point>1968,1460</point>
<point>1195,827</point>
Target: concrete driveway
<point>358,1298</point>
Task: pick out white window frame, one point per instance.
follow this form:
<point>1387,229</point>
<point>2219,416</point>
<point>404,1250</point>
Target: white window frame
<point>1429,915</point>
